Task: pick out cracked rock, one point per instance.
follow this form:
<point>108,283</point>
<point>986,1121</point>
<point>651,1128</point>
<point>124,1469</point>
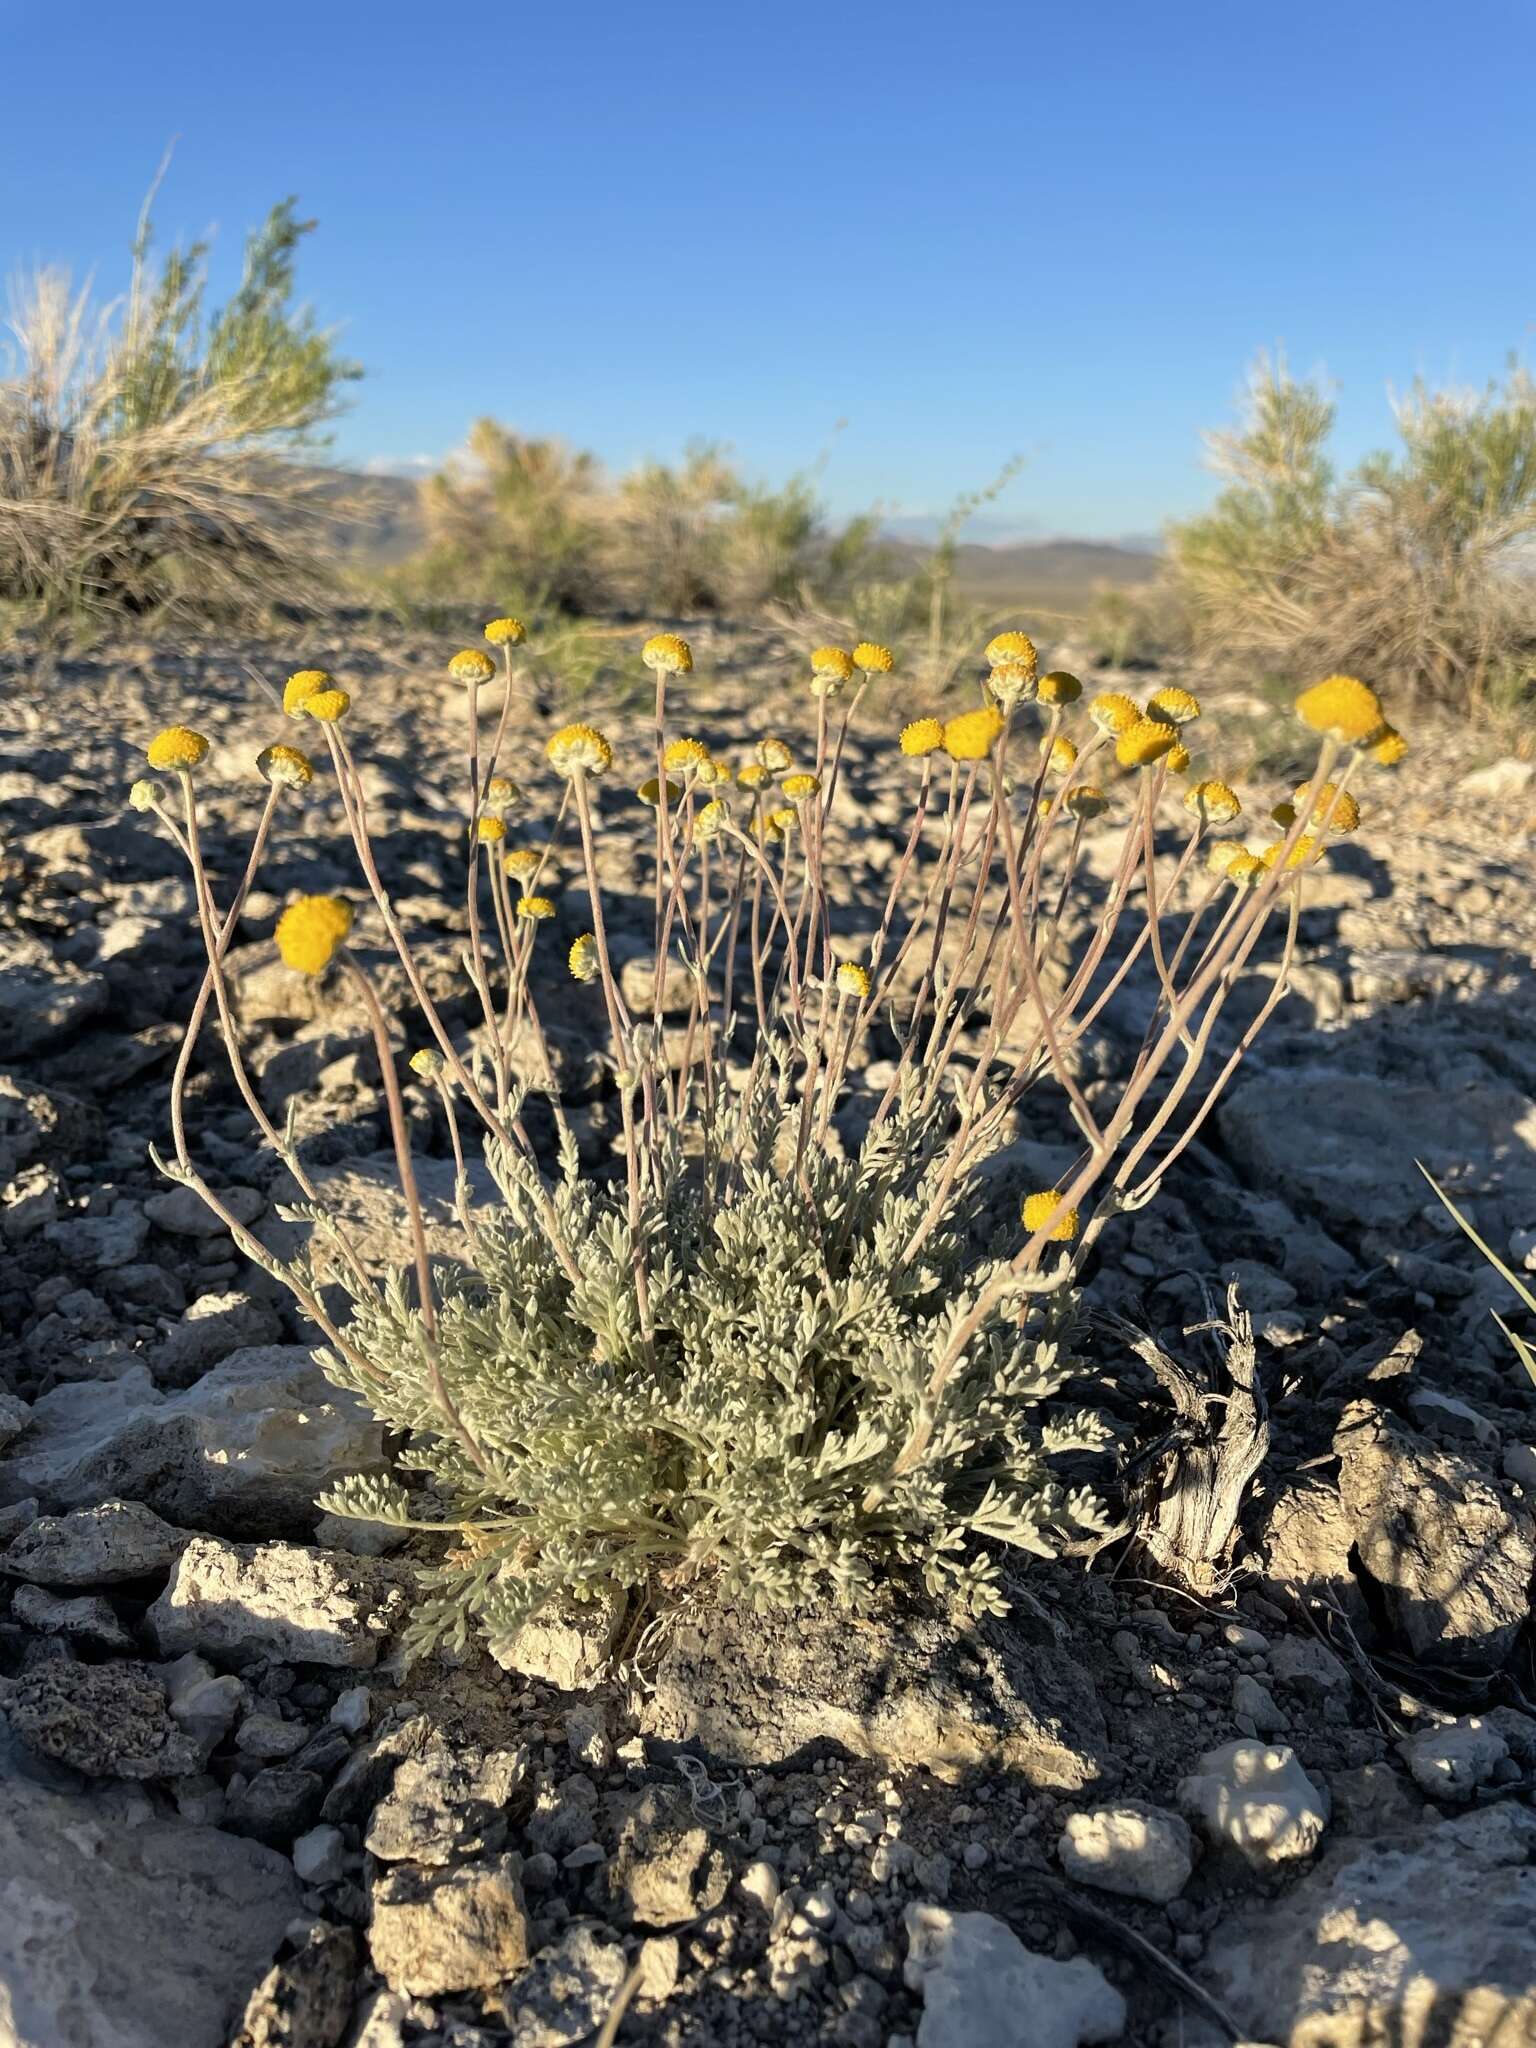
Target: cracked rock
<point>665,1868</point>
<point>304,2001</point>
<point>445,1804</point>
<point>1453,1558</point>
<point>275,1600</point>
<point>567,1643</point>
<point>911,1687</point>
<point>565,1993</point>
<point>452,1930</point>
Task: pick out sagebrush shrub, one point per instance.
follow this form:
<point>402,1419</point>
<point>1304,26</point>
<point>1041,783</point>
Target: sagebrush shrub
<point>771,1355</point>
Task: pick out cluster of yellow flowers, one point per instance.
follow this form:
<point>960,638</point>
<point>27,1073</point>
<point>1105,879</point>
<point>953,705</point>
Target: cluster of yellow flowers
<point>312,693</point>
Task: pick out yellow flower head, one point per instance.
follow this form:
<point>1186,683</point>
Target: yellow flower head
<point>649,792</point>
<point>685,757</point>
<point>144,794</point>
<point>852,979</point>
<point>1342,707</point>
<point>712,819</point>
<point>1244,869</point>
<point>1087,802</point>
<point>1173,707</point>
<point>778,822</point>
<point>1389,748</point>
<point>177,747</point>
<point>1213,803</point>
<point>1113,712</point>
<point>835,662</point>
<point>488,830</point>
<point>1345,811</point>
<point>471,666</point>
<point>522,862</point>
<point>428,1062</point>
<point>309,931</point>
<point>973,734</point>
<point>713,774</point>
<point>579,749</point>
<point>537,908</point>
<point>1139,745</point>
<point>1306,848</point>
<point>502,793</point>
<point>1004,648</point>
<point>798,787</point>
<point>774,755</point>
<point>1046,1211</point>
<point>753,775</point>
<point>506,632</point>
<point>1058,688</point>
<point>1060,754</point>
<point>304,684</point>
<point>1010,683</point>
<point>1178,757</point>
<point>873,659</point>
<point>667,655</point>
<point>326,705</point>
<point>582,958</point>
<point>287,767</point>
<point>922,736</point>
<point>1220,855</point>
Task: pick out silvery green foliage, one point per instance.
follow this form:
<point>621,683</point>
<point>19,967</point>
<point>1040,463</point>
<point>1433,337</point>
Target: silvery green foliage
<point>745,1443</point>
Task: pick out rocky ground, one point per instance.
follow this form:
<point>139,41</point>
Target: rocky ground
<point>1294,1809</point>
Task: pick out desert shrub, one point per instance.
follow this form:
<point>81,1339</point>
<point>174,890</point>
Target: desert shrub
<point>543,523</point>
<point>1418,566</point>
<point>150,451</point>
<point>769,1355</point>
<point>513,515</point>
<point>664,537</point>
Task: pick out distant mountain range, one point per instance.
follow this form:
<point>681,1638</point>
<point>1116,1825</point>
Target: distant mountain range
<point>1042,573</point>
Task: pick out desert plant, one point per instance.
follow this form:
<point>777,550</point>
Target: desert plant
<point>664,534</point>
<point>767,1356</point>
<point>1188,1487</point>
<point>513,514</point>
<point>149,451</point>
<point>1418,566</point>
<point>543,522</point>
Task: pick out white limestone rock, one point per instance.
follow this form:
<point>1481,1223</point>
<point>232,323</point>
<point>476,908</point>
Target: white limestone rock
<point>1256,1800</point>
<point>982,1988</point>
<point>1136,1851</point>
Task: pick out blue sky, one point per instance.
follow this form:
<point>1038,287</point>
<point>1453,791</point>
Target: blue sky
<point>964,230</point>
